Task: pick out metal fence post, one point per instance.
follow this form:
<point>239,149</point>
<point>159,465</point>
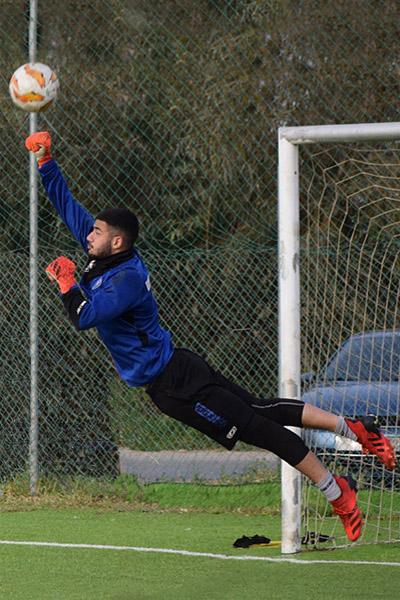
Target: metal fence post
<point>33,270</point>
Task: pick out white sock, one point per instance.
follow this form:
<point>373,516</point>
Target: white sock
<point>344,430</point>
<point>329,487</point>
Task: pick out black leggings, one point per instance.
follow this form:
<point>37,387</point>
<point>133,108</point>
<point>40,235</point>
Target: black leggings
<point>192,392</point>
<point>272,436</point>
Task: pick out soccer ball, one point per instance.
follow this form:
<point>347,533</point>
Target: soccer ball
<point>33,87</point>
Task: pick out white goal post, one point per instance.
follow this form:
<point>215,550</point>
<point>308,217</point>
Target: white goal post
<point>290,138</point>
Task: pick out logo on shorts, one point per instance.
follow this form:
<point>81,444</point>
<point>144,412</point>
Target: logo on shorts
<point>210,415</point>
<point>231,433</point>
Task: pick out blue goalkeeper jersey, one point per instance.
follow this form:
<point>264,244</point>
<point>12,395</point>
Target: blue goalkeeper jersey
<point>117,299</point>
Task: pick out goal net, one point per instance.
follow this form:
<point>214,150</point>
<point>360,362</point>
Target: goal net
<point>339,196</point>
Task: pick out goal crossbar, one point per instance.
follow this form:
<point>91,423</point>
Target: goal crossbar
<point>289,140</point>
<point>340,133</point>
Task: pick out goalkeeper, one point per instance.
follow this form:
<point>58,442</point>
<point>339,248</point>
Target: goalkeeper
<point>114,296</point>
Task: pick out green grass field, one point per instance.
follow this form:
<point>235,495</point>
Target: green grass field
<point>167,523</point>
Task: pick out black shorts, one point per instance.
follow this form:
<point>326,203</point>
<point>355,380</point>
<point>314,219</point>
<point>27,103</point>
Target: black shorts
<point>192,392</point>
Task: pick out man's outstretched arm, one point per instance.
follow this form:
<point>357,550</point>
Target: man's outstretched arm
<point>76,218</point>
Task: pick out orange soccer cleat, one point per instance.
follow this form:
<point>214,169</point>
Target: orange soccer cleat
<point>346,507</point>
<point>372,439</point>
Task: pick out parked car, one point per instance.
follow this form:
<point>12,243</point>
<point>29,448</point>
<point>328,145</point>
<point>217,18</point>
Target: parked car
<point>362,377</point>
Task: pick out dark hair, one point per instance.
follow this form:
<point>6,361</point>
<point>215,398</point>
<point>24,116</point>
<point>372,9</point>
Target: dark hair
<point>124,220</point>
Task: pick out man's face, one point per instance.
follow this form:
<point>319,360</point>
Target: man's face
<point>101,240</point>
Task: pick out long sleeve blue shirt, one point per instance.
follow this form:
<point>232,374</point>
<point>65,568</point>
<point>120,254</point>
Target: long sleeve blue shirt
<point>117,299</point>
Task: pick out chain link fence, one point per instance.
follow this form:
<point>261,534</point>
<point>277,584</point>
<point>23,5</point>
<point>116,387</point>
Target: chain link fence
<point>171,109</point>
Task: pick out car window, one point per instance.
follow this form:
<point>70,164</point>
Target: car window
<point>368,358</point>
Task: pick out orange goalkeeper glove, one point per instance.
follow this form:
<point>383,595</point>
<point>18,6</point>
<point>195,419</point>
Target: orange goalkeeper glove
<point>40,144</point>
<point>62,270</point>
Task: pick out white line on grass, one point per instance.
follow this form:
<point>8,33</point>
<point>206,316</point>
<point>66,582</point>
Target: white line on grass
<point>201,554</point>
